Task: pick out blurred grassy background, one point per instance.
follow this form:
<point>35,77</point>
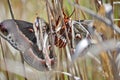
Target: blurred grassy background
<point>87,68</point>
<point>23,9</point>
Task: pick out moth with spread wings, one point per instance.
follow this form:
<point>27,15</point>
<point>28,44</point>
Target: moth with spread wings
<point>21,35</point>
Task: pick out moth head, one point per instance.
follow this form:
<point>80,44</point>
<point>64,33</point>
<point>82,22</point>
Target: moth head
<point>8,30</point>
<point>7,27</point>
<point>3,30</point>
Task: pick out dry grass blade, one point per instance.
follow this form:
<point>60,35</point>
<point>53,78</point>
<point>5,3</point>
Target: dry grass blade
<point>7,53</point>
<point>2,50</point>
<point>103,46</point>
<point>17,69</point>
<point>10,9</point>
<point>116,2</point>
<point>83,49</point>
<point>82,45</point>
<point>2,76</point>
<point>99,17</point>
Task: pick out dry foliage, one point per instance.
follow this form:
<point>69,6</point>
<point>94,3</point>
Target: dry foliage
<point>83,39</point>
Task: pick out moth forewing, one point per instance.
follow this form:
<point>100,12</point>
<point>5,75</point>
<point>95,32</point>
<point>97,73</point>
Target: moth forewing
<point>31,54</point>
<point>34,61</point>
